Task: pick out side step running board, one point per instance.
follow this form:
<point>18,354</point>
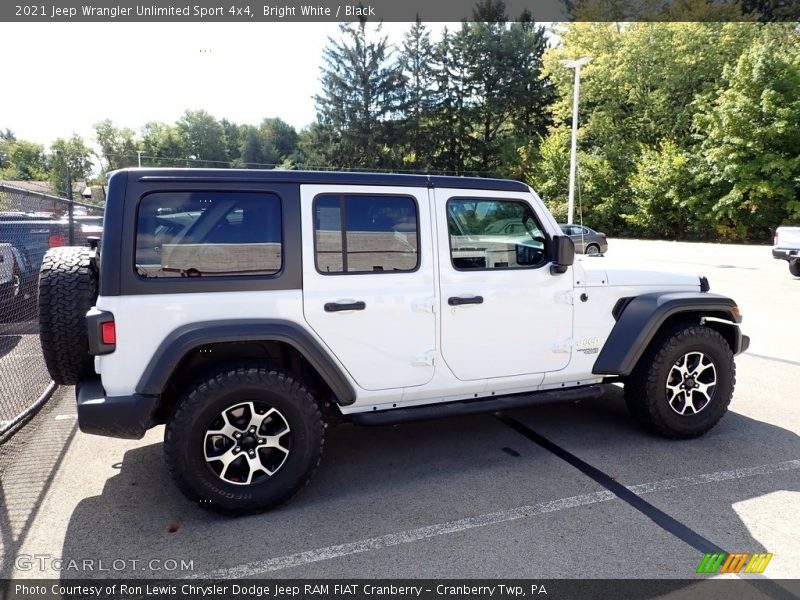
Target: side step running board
<point>473,407</point>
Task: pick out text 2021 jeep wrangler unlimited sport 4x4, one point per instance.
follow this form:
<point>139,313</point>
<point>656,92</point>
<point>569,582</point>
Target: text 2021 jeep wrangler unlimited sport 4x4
<point>248,309</point>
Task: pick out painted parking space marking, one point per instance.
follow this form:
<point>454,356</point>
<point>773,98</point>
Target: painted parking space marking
<point>431,531</point>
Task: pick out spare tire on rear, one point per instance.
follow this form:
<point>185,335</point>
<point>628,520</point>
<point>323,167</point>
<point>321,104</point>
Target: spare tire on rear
<point>67,290</point>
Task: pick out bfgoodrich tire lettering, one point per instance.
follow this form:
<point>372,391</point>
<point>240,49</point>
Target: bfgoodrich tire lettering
<point>186,439</point>
<point>67,290</point>
<point>649,391</point>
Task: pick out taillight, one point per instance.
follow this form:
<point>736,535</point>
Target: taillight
<point>102,331</point>
<point>108,332</point>
<point>775,239</point>
<point>56,240</point>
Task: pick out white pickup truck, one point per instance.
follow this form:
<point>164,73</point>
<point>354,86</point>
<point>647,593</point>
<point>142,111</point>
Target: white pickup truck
<point>786,246</point>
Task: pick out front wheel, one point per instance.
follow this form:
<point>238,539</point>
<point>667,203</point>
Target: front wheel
<point>244,440</point>
<point>683,383</point>
<point>794,267</point>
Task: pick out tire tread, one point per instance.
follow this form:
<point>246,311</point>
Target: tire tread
<point>67,290</point>
<point>204,392</point>
<point>642,389</point>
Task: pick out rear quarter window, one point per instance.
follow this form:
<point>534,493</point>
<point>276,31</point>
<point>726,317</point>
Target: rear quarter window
<point>208,234</point>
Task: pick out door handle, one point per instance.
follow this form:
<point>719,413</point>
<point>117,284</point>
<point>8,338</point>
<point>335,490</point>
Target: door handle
<point>339,306</point>
<point>458,300</point>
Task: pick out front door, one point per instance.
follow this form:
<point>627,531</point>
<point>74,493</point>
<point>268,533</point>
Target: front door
<point>503,313</point>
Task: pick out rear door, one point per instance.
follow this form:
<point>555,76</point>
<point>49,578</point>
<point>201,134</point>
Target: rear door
<point>368,280</point>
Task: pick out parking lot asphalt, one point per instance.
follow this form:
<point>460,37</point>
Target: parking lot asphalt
<point>466,497</point>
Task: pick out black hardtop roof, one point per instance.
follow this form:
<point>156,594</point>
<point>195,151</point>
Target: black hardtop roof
<point>324,177</point>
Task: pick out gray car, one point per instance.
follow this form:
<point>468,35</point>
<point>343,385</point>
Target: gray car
<point>587,241</point>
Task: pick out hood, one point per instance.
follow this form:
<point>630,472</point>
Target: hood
<point>600,271</point>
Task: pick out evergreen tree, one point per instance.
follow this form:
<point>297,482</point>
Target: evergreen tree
<point>361,92</point>
<point>450,127</point>
<point>279,138</point>
<point>250,152</point>
<point>234,139</point>
<point>417,60</point>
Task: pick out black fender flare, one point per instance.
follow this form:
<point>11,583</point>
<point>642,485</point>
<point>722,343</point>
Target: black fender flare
<point>189,337</point>
<point>642,316</point>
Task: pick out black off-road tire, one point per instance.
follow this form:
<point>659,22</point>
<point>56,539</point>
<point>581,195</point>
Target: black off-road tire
<point>794,267</point>
<point>67,290</point>
<point>645,389</point>
<point>185,438</point>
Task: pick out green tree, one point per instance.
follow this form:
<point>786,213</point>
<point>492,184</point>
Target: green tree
<point>203,137</point>
<point>278,138</point>
<point>250,152</point>
<point>163,145</point>
<point>662,188</point>
<point>7,137</point>
<point>21,160</point>
<point>450,126</point>
<point>645,83</point>
<point>316,145</point>
<point>417,56</point>
<point>117,146</point>
<point>71,155</point>
<point>361,93</point>
<point>751,140</point>
<point>550,176</point>
<point>234,138</point>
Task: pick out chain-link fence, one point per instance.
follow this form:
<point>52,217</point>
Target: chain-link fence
<point>31,222</point>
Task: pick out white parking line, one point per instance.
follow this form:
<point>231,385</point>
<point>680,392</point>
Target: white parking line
<point>484,520</point>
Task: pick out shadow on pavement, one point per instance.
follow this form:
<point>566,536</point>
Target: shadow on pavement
<point>366,472</point>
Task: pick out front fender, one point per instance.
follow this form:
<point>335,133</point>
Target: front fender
<point>642,317</point>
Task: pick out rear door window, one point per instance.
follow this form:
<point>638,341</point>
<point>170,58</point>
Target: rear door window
<point>365,234</point>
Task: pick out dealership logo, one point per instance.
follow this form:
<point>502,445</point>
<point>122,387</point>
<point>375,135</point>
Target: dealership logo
<point>722,562</point>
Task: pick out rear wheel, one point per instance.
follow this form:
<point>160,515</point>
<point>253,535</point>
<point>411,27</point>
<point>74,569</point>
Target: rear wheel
<point>683,383</point>
<point>794,267</point>
<point>592,249</point>
<point>67,290</point>
<point>244,440</point>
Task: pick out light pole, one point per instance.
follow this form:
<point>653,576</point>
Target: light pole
<point>139,154</point>
<point>573,159</point>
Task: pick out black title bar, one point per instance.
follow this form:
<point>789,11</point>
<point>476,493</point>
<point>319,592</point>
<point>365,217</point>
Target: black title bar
<point>393,10</point>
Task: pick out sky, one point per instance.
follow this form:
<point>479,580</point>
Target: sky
<point>65,77</point>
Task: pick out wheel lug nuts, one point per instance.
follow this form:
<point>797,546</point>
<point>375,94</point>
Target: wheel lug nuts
<point>252,453</point>
<point>237,435</point>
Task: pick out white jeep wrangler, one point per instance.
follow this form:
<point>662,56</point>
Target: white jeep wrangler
<point>249,309</point>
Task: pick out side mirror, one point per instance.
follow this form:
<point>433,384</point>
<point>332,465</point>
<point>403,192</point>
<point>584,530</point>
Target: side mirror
<point>563,254</point>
